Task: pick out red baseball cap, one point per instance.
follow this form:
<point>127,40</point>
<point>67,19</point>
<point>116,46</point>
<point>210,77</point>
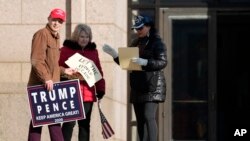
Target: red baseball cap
<point>58,14</point>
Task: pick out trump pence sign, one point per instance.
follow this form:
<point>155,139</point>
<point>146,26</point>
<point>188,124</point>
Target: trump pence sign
<point>62,104</point>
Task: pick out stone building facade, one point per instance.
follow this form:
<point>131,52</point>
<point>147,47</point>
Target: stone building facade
<point>19,20</point>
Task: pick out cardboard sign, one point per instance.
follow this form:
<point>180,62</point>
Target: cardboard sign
<point>85,67</point>
<point>125,56</point>
<point>64,103</point>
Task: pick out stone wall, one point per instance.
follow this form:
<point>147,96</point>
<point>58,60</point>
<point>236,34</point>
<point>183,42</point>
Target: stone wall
<point>19,20</point>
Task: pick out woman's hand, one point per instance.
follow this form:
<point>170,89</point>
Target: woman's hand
<point>72,74</point>
<point>140,61</point>
<point>69,71</point>
<point>109,50</point>
<point>76,75</point>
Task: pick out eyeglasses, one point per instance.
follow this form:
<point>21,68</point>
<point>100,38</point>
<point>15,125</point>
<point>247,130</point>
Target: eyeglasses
<point>138,29</point>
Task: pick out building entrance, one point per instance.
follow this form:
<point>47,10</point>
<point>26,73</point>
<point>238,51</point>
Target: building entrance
<point>208,74</point>
<point>186,108</point>
<point>233,42</point>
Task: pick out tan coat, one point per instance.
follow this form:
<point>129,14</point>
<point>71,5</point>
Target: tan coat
<point>44,57</point>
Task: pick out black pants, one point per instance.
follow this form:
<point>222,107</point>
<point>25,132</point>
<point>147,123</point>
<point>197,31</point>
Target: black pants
<point>146,123</point>
<point>84,125</point>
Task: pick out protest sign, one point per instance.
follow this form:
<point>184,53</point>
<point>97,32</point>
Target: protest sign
<point>62,104</point>
<point>85,67</point>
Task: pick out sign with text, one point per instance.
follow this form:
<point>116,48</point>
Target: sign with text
<point>85,67</point>
<point>64,103</point>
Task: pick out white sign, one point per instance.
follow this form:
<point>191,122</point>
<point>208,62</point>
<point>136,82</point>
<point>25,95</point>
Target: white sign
<point>85,67</point>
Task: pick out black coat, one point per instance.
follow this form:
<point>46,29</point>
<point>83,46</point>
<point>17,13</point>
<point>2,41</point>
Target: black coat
<point>149,84</point>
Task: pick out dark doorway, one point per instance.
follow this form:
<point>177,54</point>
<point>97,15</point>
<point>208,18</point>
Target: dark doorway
<point>233,97</point>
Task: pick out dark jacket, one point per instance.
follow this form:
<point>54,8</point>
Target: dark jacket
<point>149,84</point>
<point>90,52</point>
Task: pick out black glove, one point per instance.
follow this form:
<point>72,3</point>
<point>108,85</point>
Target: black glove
<point>100,95</point>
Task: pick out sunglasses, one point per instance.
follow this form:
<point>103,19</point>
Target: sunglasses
<point>138,29</point>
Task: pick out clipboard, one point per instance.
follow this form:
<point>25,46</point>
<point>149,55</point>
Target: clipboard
<point>125,55</point>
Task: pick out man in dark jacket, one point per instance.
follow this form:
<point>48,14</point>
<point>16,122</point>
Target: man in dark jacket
<point>148,87</point>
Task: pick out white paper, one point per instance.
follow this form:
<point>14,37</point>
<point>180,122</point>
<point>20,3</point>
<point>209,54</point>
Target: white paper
<point>85,67</point>
<point>125,56</point>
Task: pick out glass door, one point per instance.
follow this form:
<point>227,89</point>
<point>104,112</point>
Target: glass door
<point>186,111</point>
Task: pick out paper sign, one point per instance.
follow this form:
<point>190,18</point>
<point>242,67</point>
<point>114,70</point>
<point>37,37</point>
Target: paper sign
<point>64,103</point>
<point>85,67</point>
<point>125,56</point>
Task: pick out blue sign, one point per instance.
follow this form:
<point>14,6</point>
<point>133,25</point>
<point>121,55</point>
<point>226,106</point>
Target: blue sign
<point>62,104</point>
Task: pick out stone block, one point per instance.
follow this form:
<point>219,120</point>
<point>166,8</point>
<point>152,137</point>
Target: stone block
<point>26,67</point>
<point>78,11</point>
<point>37,12</point>
<point>11,12</point>
<point>116,82</point>
<point>11,72</point>
<point>100,11</point>
<point>14,113</point>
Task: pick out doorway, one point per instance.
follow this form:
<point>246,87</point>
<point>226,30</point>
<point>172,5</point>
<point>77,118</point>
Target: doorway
<point>228,41</point>
<point>185,112</point>
<point>233,42</point>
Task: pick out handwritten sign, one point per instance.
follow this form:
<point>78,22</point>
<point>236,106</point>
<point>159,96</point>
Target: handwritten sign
<point>63,103</point>
<point>85,67</point>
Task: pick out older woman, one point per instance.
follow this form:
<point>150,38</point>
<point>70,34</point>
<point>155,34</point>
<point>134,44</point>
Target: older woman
<point>81,42</point>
